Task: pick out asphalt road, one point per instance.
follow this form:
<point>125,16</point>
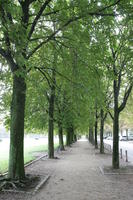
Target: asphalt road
<point>124,145</point>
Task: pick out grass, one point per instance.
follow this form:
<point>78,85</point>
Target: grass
<point>29,155</point>
<point>30,152</point>
<point>3,166</point>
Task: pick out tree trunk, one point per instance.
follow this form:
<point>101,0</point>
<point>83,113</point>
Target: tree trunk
<point>101,131</point>
<point>91,136</point>
<point>115,157</point>
<point>61,142</point>
<point>51,117</point>
<point>116,140</point>
<point>96,127</point>
<point>71,134</point>
<point>75,138</point>
<point>51,106</point>
<point>96,145</point>
<point>68,137</point>
<point>51,124</point>
<point>16,154</point>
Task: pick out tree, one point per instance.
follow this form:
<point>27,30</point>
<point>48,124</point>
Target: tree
<point>118,62</point>
<point>24,30</point>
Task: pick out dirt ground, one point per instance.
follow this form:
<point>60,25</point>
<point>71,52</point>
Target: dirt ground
<point>76,176</point>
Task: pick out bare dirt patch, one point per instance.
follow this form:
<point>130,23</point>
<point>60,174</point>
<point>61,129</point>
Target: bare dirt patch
<point>122,170</point>
<point>31,184</point>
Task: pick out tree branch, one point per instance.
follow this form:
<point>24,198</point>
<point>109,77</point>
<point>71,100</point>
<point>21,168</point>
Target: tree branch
<point>43,73</point>
<point>3,52</point>
<point>126,95</point>
<point>111,115</point>
<point>120,74</point>
<point>109,6</point>
<point>105,116</point>
<point>75,18</point>
<point>9,59</point>
<point>37,17</point>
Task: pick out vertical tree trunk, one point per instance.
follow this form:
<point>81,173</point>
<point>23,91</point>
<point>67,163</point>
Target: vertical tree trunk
<point>51,119</point>
<point>91,135</point>
<point>51,126</point>
<point>101,131</point>
<point>68,137</point>
<point>61,142</point>
<point>116,140</point>
<point>75,138</point>
<point>96,126</point>
<point>115,157</point>
<point>96,145</point>
<point>51,106</point>
<point>16,155</point>
<point>71,135</point>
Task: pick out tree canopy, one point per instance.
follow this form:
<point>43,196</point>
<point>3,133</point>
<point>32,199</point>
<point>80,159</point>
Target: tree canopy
<point>64,66</point>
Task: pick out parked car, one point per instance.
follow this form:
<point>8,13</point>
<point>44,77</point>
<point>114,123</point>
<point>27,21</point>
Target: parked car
<point>123,138</point>
<point>105,137</point>
<point>109,138</point>
<point>130,137</point>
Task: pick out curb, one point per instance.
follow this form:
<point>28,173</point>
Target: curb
<point>114,173</point>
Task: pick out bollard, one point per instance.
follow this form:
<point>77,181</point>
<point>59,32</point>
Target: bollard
<point>121,153</point>
<point>126,156</point>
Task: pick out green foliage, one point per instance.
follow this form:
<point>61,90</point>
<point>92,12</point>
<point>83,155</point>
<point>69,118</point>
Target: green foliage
<point>84,72</point>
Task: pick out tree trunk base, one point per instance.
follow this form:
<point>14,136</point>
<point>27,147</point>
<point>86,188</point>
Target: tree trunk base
<point>62,149</point>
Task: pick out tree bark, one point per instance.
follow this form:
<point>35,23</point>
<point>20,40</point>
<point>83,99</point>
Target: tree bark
<point>96,145</point>
<point>68,137</point>
<point>115,157</point>
<point>51,124</point>
<point>75,138</point>
<point>116,140</point>
<point>91,135</point>
<point>101,131</point>
<point>51,118</point>
<point>61,142</point>
<point>71,135</point>
<point>16,155</point>
<point>96,127</point>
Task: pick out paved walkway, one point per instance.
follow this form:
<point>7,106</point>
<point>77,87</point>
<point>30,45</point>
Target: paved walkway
<point>76,176</point>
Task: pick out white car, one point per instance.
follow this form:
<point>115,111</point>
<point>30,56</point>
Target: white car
<point>130,137</point>
<point>109,138</point>
<point>123,138</point>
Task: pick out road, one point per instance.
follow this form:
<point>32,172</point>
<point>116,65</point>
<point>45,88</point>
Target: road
<point>124,145</point>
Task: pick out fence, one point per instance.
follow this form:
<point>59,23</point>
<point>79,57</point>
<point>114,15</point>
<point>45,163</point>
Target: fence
<point>108,147</point>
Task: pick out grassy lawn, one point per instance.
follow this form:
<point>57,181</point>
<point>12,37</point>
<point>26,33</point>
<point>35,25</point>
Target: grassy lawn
<point>29,154</point>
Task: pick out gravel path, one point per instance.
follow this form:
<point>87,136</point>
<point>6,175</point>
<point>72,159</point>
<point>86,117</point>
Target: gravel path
<point>76,176</point>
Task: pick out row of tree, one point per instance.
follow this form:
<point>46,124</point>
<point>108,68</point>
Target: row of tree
<point>117,76</point>
<point>63,64</point>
